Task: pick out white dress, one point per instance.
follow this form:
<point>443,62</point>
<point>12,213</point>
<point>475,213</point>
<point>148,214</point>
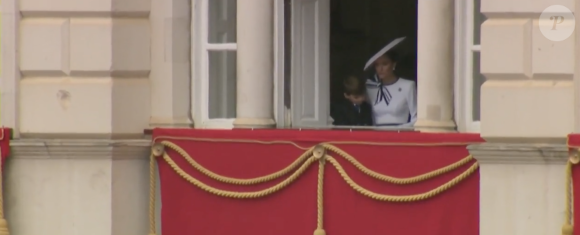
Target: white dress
<point>394,104</point>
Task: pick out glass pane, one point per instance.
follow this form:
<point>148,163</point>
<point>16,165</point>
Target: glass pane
<point>478,80</point>
<point>222,84</point>
<point>478,19</point>
<point>222,21</point>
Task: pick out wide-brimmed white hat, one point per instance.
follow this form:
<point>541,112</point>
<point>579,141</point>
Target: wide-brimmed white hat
<point>383,51</point>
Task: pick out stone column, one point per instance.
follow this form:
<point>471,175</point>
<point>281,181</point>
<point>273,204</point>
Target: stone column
<point>435,66</point>
<point>255,56</point>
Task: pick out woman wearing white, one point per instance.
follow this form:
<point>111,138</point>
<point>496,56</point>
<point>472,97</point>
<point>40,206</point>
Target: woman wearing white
<point>394,99</point>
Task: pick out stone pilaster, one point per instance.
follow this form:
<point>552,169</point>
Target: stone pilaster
<point>522,188</point>
<point>528,94</point>
<point>84,70</point>
<point>170,63</point>
<point>85,67</point>
<point>70,187</point>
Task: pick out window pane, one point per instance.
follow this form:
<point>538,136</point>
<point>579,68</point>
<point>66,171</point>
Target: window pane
<point>478,80</point>
<point>222,21</point>
<point>478,19</point>
<point>222,84</point>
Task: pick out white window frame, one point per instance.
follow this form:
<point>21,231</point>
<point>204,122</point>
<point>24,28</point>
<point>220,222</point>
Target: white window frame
<point>200,49</point>
<point>280,111</point>
<point>464,50</point>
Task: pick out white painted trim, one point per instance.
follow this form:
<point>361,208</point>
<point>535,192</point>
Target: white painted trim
<point>10,70</point>
<point>464,49</point>
<point>221,123</point>
<point>468,58</point>
<point>221,47</point>
<point>474,127</point>
<point>459,66</point>
<point>576,78</point>
<point>203,56</point>
<point>279,108</point>
<point>200,62</point>
<point>195,64</point>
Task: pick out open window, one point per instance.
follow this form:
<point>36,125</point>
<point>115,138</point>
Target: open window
<point>310,94</point>
<point>332,39</point>
<point>317,44</point>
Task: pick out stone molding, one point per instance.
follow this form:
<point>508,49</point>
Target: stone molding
<point>538,154</point>
<point>485,153</point>
<point>80,149</point>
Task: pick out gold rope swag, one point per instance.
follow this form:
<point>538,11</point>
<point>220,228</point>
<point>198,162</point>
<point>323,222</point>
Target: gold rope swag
<point>311,154</point>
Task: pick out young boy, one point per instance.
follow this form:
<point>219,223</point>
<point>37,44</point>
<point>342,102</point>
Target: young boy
<point>353,110</point>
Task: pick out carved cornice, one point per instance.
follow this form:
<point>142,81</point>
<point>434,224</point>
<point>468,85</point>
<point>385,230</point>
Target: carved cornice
<point>80,149</point>
<point>498,153</point>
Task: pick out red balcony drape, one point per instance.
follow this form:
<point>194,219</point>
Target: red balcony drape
<point>293,210</point>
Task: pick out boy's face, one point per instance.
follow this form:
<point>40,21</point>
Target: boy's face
<point>355,99</point>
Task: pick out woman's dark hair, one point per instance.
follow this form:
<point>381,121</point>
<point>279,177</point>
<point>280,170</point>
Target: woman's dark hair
<point>392,55</point>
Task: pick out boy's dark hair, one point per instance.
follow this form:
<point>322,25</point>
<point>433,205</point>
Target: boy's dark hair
<point>353,86</point>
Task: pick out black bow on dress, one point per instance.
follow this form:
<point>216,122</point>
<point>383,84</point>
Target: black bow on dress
<point>383,93</point>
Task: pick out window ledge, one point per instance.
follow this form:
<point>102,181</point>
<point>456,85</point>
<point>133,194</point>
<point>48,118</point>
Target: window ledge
<point>538,154</point>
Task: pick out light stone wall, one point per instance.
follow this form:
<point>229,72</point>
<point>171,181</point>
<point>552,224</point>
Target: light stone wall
<point>100,68</point>
<point>170,76</point>
<point>84,66</point>
<point>529,100</point>
<point>529,91</point>
<point>522,188</point>
<point>91,70</point>
<point>72,187</point>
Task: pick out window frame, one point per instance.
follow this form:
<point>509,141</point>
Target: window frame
<point>200,48</point>
<point>464,51</point>
<point>280,110</point>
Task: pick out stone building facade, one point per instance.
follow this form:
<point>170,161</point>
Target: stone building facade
<point>82,79</point>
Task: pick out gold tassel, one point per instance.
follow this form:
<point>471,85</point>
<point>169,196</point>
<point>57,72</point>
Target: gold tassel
<point>320,154</point>
<point>4,227</point>
<point>567,229</point>
<point>157,150</point>
<point>319,232</point>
